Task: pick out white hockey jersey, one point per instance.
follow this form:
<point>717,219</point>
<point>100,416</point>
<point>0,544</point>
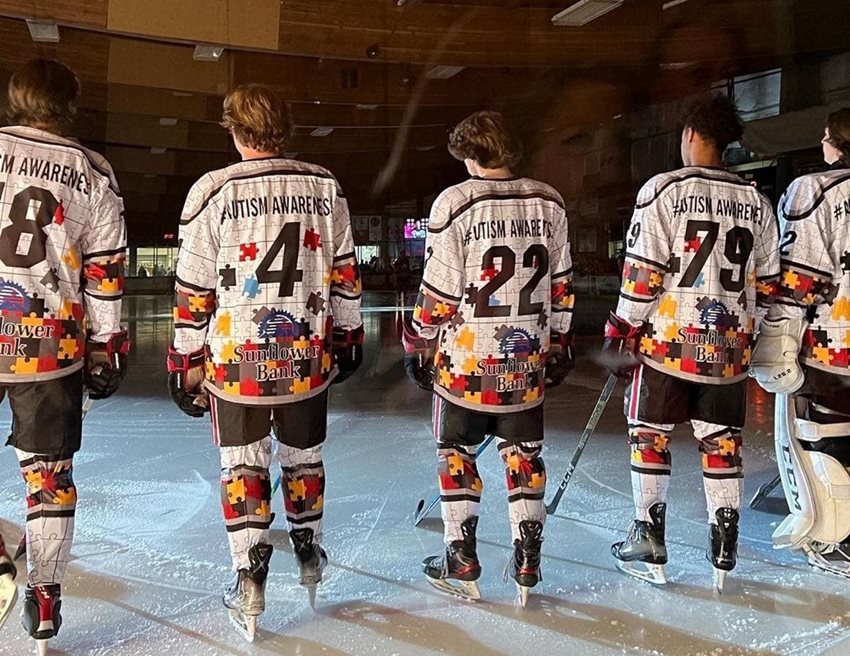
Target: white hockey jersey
<point>62,246</point>
<point>266,269</point>
<point>497,280</point>
<point>814,216</point>
<point>702,253</point>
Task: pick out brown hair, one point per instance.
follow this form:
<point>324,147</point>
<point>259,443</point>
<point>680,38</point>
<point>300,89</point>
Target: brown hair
<point>257,116</point>
<point>838,127</point>
<point>484,138</point>
<point>43,93</point>
<point>715,119</point>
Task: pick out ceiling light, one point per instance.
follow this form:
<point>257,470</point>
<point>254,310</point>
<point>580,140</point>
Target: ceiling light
<point>410,4</point>
<point>167,122</point>
<point>443,72</point>
<point>208,53</point>
<point>366,106</point>
<point>157,150</point>
<point>321,132</point>
<point>42,32</point>
<point>182,94</point>
<point>672,3</point>
<point>584,11</point>
<point>676,66</point>
<point>423,149</point>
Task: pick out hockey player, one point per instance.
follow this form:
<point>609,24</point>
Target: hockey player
<point>701,257</point>
<point>61,223</point>
<point>804,350</point>
<point>495,303</point>
<point>267,316</point>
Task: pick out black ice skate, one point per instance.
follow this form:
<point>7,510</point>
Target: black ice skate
<point>246,598</point>
<point>643,554</point>
<point>524,565</point>
<point>722,551</point>
<point>830,558</point>
<point>8,589</point>
<point>457,572</point>
<point>312,560</point>
<point>41,617</point>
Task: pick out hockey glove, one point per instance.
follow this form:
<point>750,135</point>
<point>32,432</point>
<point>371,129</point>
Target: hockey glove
<point>560,360</point>
<point>775,360</point>
<point>186,380</point>
<point>620,346</point>
<point>348,351</point>
<point>418,356</point>
<point>106,365</point>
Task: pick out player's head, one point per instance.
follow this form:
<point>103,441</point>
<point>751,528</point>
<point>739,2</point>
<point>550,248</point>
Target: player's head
<point>836,137</point>
<point>43,94</point>
<point>708,126</point>
<point>258,119</point>
<point>483,139</point>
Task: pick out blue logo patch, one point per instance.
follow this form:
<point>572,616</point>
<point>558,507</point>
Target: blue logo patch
<point>715,313</point>
<point>13,298</point>
<point>277,324</point>
<point>516,341</point>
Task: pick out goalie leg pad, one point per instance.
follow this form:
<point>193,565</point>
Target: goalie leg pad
<point>816,485</point>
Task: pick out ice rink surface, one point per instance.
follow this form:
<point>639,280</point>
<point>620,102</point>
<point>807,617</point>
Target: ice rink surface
<point>150,559</point>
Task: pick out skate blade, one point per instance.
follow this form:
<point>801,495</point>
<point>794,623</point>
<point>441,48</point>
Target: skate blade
<point>311,595</point>
<point>719,580</point>
<point>524,592</point>
<point>467,590</point>
<point>41,647</point>
<point>8,595</point>
<point>815,560</point>
<point>648,572</point>
<point>246,625</point>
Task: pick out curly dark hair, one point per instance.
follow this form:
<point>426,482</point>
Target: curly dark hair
<point>43,93</point>
<point>484,137</point>
<point>838,127</point>
<point>715,119</point>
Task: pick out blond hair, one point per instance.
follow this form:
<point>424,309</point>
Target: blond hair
<point>258,117</point>
<point>484,137</point>
<point>43,93</point>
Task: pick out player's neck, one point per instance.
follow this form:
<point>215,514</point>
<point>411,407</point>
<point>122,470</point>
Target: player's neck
<point>249,153</point>
<point>706,157</point>
<point>501,173</point>
<point>44,127</point>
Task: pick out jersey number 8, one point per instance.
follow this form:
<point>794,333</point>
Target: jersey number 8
<point>22,242</point>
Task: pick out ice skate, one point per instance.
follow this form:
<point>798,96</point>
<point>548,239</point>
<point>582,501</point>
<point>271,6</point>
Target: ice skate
<point>246,598</point>
<point>643,554</point>
<point>41,616</point>
<point>524,565</point>
<point>457,571</point>
<point>312,560</point>
<point>723,548</point>
<point>8,589</point>
<point>830,558</point>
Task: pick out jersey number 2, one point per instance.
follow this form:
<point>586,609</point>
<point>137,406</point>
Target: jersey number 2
<point>22,242</point>
<point>535,257</point>
<point>289,273</point>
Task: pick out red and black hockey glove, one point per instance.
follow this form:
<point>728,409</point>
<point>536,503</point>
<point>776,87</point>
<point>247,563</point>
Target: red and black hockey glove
<point>186,381</point>
<point>348,351</point>
<point>106,365</point>
<point>560,360</point>
<point>418,356</point>
<point>620,347</point>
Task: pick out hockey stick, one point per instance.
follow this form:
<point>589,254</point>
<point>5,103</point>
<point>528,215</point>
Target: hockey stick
<point>22,545</point>
<point>764,491</point>
<point>421,511</point>
<point>610,384</point>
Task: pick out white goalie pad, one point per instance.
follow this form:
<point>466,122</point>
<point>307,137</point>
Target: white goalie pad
<point>816,485</point>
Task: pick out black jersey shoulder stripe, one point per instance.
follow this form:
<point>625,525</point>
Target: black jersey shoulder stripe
<point>114,251</point>
<point>256,175</point>
<point>188,285</point>
<point>441,293</point>
<point>79,148</point>
<point>805,267</point>
<point>499,197</point>
<point>646,260</point>
<point>691,176</point>
<point>817,202</point>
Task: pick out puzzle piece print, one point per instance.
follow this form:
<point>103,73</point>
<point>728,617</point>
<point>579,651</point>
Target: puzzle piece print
<point>247,251</point>
<point>315,303</point>
<point>466,339</point>
<point>51,280</point>
<point>251,288</point>
<point>228,277</point>
<point>312,240</point>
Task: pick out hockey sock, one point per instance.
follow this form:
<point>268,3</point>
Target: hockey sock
<point>303,487</point>
<point>51,505</point>
<point>246,497</point>
<point>525,475</point>
<point>460,487</point>
<point>722,469</point>
<point>650,465</point>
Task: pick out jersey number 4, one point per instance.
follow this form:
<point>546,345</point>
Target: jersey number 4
<point>22,242</point>
<point>289,273</point>
<point>535,257</point>
<point>739,247</point>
